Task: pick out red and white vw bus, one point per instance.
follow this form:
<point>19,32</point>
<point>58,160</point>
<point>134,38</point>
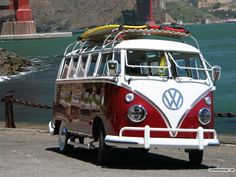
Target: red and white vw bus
<point>138,92</point>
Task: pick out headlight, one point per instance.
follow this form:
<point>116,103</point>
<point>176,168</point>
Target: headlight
<point>208,100</point>
<point>137,113</point>
<point>204,116</point>
<point>129,97</point>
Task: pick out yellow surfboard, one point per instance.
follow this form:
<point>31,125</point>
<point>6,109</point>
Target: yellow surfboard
<point>102,31</point>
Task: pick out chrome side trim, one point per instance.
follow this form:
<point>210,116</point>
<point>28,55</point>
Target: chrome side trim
<point>88,80</point>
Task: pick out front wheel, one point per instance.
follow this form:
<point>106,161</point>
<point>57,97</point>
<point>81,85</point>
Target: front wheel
<point>195,157</point>
<point>63,139</point>
<point>103,150</point>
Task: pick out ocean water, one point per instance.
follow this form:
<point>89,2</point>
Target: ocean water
<point>217,43</point>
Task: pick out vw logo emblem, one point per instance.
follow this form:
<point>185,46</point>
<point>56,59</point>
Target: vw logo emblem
<point>172,99</point>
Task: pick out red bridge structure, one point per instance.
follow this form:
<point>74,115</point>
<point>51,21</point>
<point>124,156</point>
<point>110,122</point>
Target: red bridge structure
<point>16,17</point>
<point>145,12</point>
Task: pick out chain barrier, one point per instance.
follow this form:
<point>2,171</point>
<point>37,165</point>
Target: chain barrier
<point>44,106</point>
<point>225,114</point>
<point>9,113</point>
<point>28,103</point>
<point>31,104</point>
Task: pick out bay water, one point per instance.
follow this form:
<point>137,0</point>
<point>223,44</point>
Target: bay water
<point>217,43</point>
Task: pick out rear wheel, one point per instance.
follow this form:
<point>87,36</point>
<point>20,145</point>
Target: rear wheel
<point>195,157</point>
<point>103,150</point>
<point>63,139</point>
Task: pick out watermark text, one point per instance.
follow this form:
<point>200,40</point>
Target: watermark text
<point>221,170</point>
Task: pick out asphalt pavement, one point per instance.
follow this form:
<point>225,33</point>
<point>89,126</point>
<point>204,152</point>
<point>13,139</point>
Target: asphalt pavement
<point>34,153</point>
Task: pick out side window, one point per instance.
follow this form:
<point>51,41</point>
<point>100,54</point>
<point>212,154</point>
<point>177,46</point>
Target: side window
<point>92,65</point>
<point>65,68</point>
<point>73,67</point>
<point>102,70</point>
<point>82,64</point>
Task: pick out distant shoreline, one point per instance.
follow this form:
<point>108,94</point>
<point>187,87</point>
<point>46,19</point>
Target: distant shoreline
<point>36,36</point>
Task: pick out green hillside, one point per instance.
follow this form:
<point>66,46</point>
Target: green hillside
<point>184,11</point>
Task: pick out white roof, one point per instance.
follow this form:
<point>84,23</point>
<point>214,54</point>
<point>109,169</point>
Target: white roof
<point>155,44</point>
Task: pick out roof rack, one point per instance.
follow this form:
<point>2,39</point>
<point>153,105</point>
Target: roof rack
<point>120,34</point>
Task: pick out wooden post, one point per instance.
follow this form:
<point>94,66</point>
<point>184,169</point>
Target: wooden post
<point>9,111</point>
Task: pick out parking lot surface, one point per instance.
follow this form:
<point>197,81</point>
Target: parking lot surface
<point>34,153</point>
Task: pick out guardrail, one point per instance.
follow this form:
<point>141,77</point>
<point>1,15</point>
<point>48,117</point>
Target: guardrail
<point>9,113</point>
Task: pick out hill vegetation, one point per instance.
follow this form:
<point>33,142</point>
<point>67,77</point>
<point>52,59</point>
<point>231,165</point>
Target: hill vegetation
<point>58,15</point>
<point>61,15</point>
<point>186,12</point>
<point>194,11</point>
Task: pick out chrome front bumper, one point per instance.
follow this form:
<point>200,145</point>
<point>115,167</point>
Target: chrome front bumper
<point>187,143</point>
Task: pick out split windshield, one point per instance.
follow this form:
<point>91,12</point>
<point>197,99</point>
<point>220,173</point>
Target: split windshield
<point>165,64</point>
<point>187,65</point>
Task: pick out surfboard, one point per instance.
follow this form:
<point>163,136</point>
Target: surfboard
<point>134,34</point>
<point>101,32</point>
<point>170,28</point>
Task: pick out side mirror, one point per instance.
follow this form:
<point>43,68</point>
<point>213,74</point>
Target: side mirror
<point>216,72</point>
<point>112,66</point>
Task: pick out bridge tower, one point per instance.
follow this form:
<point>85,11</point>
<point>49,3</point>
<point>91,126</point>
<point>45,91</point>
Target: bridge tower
<point>150,11</point>
<point>151,17</point>
<point>21,22</point>
<point>144,12</point>
<point>23,12</point>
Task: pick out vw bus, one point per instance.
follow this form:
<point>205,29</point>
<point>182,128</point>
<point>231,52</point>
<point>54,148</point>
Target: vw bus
<point>132,90</point>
